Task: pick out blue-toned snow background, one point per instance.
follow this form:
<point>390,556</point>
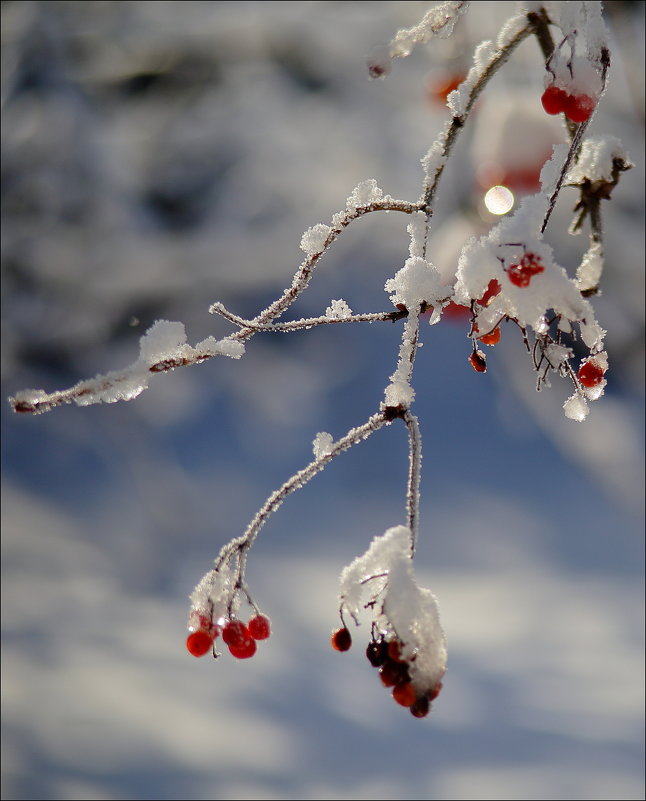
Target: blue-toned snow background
<point>160,156</point>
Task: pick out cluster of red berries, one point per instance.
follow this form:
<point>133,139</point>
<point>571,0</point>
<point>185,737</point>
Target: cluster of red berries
<point>239,638</point>
<point>522,273</point>
<point>577,108</point>
<point>393,671</point>
<point>590,374</point>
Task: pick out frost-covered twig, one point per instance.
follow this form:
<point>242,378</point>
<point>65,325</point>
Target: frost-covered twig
<point>307,322</point>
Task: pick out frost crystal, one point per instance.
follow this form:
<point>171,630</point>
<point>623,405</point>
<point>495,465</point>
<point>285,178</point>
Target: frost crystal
<point>338,309</point>
<point>314,239</point>
<point>589,271</point>
<point>322,444</point>
<point>596,160</point>
<point>163,340</point>
<point>418,282</point>
<point>576,408</point>
<point>364,194</point>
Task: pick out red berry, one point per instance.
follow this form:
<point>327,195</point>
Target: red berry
<point>578,108</point>
<point>244,649</point>
<point>235,633</point>
<point>590,374</point>
<point>491,291</point>
<point>478,361</point>
<point>395,651</point>
<point>405,694</point>
<point>554,100</point>
<point>454,311</point>
<point>199,642</point>
<point>341,640</point>
<point>421,707</point>
<point>521,274</point>
<point>492,338</point>
<point>259,627</point>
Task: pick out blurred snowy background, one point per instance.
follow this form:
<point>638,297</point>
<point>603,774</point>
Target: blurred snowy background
<point>159,156</point>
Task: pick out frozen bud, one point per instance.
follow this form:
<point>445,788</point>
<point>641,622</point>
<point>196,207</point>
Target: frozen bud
<point>379,61</point>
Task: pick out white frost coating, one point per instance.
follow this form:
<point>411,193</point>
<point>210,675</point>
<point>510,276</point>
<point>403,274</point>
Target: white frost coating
<point>576,408</point>
<point>458,100</point>
<point>417,231</point>
<point>313,240</point>
<point>580,19</point>
<point>595,162</point>
<point>402,610</point>
<point>322,444</point>
<point>212,596</point>
<point>418,282</point>
<point>558,354</point>
<point>511,29</point>
<point>338,309</point>
<point>435,158</point>
<point>164,345</point>
<point>438,20</point>
<point>163,340</point>
<point>551,170</point>
<point>589,271</point>
<point>364,194</point>
<point>228,346</point>
<point>399,392</point>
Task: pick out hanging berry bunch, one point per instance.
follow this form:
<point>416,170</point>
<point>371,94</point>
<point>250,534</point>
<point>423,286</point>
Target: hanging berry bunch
<point>407,643</point>
<point>214,612</point>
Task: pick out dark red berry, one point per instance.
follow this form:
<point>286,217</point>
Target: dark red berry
<point>421,707</point>
<point>199,642</point>
<point>478,361</point>
<point>341,640</point>
<point>235,633</point>
<point>377,653</point>
<point>259,627</point>
<point>554,100</point>
<point>405,694</point>
<point>578,108</point>
<point>244,649</point>
<point>590,374</point>
<point>393,673</point>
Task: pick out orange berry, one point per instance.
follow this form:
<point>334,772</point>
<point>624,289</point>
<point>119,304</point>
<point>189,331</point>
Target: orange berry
<point>492,338</point>
<point>478,361</point>
<point>405,694</point>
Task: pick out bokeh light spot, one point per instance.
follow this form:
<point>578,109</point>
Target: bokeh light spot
<point>499,200</point>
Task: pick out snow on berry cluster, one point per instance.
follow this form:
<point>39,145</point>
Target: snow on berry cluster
<point>575,73</point>
<point>511,275</point>
<point>407,643</point>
